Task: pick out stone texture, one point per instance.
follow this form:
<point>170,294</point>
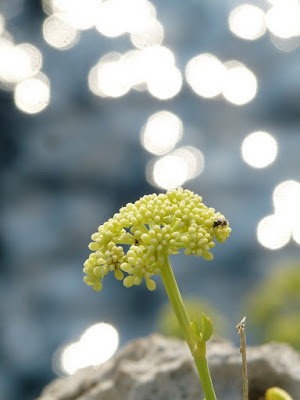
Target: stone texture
<point>161,369</point>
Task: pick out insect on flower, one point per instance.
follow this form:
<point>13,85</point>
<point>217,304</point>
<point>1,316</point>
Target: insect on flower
<point>220,222</point>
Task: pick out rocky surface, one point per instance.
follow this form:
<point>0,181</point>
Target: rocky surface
<point>160,369</point>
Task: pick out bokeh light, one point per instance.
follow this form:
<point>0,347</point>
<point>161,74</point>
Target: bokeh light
<point>240,84</point>
<point>96,345</point>
<point>259,149</point>
<point>247,22</point>
<point>193,158</point>
<point>32,95</point>
<point>273,232</point>
<point>80,14</point>
<point>161,132</point>
<point>276,230</point>
<point>109,77</point>
<point>59,34</point>
<point>205,74</point>
<point>5,49</point>
<point>134,63</point>
<point>169,172</point>
<point>116,17</point>
<point>151,34</point>
<point>152,68</point>
<point>165,83</point>
<point>157,56</point>
<point>110,22</point>
<point>112,80</point>
<point>156,66</point>
<point>18,62</point>
<point>174,169</point>
<point>34,56</point>
<point>283,20</point>
<point>286,198</point>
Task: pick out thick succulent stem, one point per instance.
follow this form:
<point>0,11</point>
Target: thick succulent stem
<point>198,350</point>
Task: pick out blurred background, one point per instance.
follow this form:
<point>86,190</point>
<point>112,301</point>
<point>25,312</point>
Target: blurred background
<point>105,101</point>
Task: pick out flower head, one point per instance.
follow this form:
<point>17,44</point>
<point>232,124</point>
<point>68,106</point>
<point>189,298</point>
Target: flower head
<point>153,227</point>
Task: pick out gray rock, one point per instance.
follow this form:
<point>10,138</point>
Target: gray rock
<point>159,368</point>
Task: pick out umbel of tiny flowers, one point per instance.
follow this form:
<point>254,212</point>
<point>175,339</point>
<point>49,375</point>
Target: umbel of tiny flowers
<point>152,229</point>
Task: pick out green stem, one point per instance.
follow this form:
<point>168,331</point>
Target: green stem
<point>205,378</point>
<point>198,350</point>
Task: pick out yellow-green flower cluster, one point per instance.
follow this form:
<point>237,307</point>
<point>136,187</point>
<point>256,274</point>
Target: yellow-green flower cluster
<point>153,228</point>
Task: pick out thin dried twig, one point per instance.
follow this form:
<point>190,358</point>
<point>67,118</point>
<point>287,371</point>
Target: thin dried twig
<point>241,330</point>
